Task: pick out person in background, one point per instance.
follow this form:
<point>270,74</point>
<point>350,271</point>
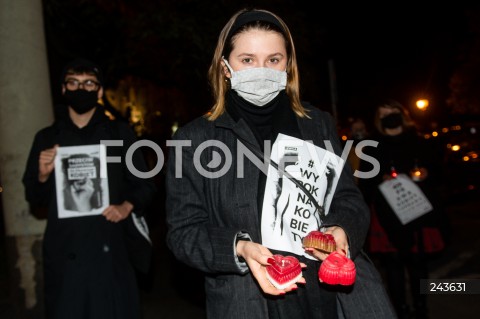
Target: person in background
<point>358,133</point>
<point>358,130</point>
<point>88,272</point>
<point>399,247</point>
<point>215,223</point>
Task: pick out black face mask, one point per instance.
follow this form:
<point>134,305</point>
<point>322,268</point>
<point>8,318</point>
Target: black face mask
<point>392,120</point>
<point>81,101</point>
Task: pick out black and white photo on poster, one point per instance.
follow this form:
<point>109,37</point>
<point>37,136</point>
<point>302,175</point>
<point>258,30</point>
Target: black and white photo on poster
<point>81,180</point>
<point>288,214</point>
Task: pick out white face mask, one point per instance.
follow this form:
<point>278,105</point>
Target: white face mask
<point>257,85</point>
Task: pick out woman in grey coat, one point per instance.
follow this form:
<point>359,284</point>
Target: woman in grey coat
<point>223,210</point>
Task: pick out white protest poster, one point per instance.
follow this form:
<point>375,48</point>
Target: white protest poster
<point>288,214</point>
<point>81,180</point>
<point>405,198</point>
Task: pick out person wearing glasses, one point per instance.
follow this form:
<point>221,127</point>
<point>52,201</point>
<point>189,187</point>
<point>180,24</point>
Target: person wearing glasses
<point>88,272</point>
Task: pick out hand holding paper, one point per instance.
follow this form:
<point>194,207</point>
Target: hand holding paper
<point>46,163</point>
<point>116,213</point>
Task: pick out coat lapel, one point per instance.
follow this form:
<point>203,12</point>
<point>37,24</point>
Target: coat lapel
<point>240,128</point>
<point>311,130</point>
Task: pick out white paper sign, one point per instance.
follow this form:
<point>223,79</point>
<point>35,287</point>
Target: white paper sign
<point>288,214</point>
<point>405,198</point>
<point>81,180</point>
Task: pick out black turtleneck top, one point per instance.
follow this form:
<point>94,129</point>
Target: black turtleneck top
<point>265,121</point>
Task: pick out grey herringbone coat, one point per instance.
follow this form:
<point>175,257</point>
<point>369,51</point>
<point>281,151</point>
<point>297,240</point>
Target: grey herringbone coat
<point>205,214</point>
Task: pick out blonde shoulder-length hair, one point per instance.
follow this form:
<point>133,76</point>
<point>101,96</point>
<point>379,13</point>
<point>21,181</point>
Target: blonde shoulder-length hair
<point>226,41</point>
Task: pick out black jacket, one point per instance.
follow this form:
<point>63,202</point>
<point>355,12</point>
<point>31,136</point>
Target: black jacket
<point>87,268</point>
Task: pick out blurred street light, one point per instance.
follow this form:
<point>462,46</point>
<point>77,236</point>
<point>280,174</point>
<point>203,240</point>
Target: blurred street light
<point>422,104</point>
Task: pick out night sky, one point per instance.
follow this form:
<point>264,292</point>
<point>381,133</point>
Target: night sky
<point>398,52</point>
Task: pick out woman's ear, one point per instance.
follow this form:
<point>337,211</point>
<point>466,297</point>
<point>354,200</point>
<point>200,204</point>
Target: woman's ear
<point>226,72</point>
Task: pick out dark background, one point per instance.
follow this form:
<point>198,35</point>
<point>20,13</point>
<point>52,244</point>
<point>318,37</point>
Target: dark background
<point>397,49</point>
<point>400,50</point>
